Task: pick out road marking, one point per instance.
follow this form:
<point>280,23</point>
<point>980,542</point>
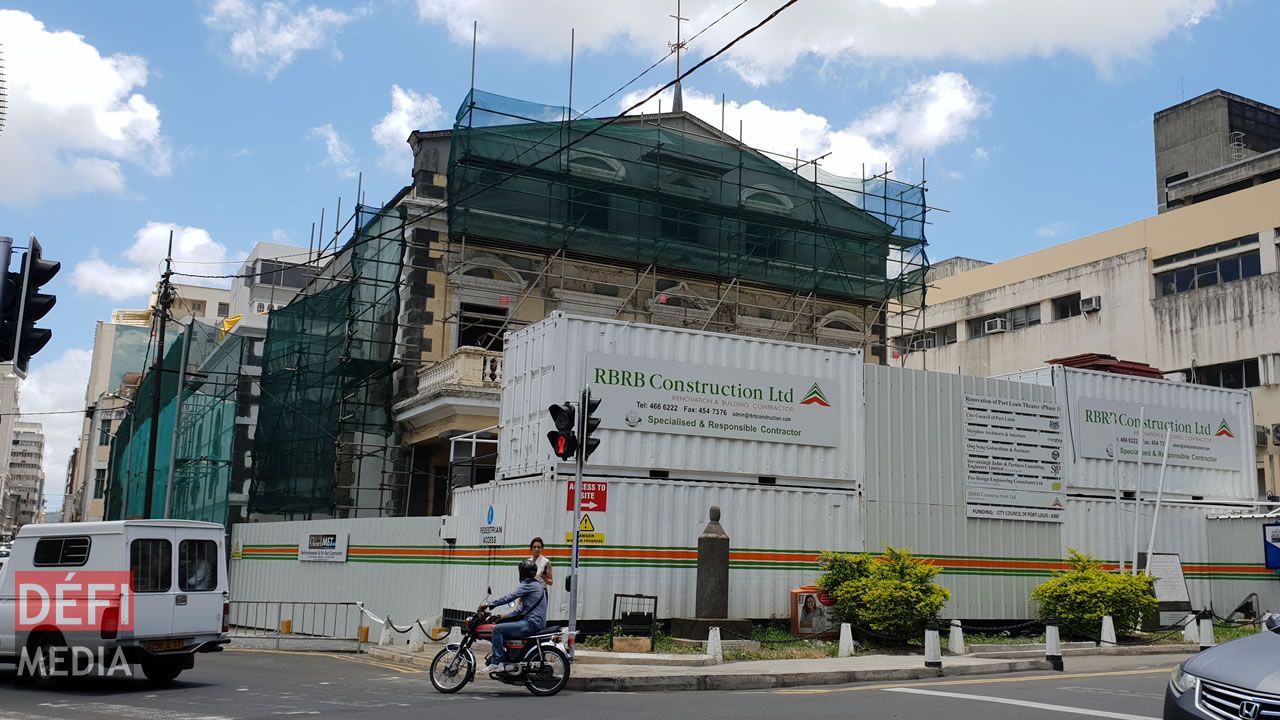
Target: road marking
<point>131,711</point>
<point>1112,691</point>
<point>975,681</point>
<point>1025,703</point>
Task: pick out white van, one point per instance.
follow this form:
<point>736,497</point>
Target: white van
<point>172,604</point>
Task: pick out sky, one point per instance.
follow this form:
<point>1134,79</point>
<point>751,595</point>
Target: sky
<point>232,122</point>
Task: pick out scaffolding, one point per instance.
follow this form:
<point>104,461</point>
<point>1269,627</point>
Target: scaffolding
<point>668,194</point>
<point>325,445</point>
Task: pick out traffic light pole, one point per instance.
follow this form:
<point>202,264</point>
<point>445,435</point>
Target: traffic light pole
<point>583,403</point>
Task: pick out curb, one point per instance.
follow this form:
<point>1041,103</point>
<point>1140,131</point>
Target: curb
<point>1121,650</point>
<point>725,681</point>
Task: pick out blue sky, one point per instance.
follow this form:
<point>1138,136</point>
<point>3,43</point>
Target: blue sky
<point>237,120</point>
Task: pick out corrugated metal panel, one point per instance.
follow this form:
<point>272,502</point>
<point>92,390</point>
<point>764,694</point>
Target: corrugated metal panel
<point>1236,406</point>
<point>1236,544</point>
<point>916,490</point>
<point>384,585</point>
<point>545,364</point>
<point>652,529</point>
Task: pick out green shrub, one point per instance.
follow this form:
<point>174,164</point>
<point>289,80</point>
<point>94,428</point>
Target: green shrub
<point>891,596</point>
<point>1079,597</point>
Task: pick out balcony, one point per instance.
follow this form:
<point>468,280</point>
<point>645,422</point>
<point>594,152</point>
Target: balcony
<point>460,393</point>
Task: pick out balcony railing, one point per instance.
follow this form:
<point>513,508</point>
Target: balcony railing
<point>469,368</point>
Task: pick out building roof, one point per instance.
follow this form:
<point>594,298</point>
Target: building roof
<point>1215,93</point>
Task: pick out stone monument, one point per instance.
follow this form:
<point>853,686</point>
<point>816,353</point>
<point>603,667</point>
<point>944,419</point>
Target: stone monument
<point>711,599</point>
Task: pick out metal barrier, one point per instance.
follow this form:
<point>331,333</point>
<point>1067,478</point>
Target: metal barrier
<point>287,620</point>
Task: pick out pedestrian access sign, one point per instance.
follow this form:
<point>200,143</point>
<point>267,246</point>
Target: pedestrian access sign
<point>587,533</point>
<point>1271,544</point>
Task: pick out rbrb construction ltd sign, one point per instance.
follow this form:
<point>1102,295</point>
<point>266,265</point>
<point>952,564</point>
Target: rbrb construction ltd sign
<point>91,604</point>
<point>1109,430</point>
<point>661,396</point>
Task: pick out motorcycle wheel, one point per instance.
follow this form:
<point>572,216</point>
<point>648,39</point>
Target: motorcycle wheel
<point>548,676</point>
<point>451,669</point>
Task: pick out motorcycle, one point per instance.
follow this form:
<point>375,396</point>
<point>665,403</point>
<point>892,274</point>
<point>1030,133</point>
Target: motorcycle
<point>539,662</point>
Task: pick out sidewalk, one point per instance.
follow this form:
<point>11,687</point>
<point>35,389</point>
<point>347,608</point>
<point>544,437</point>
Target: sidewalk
<point>756,675</point>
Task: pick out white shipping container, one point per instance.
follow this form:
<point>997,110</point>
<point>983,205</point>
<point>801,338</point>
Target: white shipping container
<point>1222,469</point>
<point>651,529</point>
<point>805,417</point>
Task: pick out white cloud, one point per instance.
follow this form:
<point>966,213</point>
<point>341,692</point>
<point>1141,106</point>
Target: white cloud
<point>933,112</point>
<point>338,153</point>
<point>1104,32</point>
<point>409,111</point>
<point>54,386</point>
<point>242,152</point>
<point>74,116</point>
<point>1054,229</point>
<point>266,37</point>
<point>981,154</point>
<point>194,251</point>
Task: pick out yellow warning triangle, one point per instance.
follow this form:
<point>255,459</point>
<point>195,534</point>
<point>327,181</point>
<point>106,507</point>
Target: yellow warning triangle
<point>585,525</point>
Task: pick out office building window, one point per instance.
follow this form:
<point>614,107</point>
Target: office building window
<point>1243,241</point>
<point>1018,318</point>
<point>224,309</point>
<point>1208,274</point>
<point>1238,374</point>
<point>104,432</point>
<point>925,339</point>
<point>99,483</point>
<point>1066,307</point>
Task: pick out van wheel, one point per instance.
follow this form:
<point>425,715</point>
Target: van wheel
<point>161,672</point>
<point>41,651</point>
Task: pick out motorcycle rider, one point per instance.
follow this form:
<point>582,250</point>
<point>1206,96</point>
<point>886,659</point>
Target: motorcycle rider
<point>531,619</point>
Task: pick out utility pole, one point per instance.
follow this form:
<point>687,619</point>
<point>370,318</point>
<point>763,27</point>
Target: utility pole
<point>164,298</point>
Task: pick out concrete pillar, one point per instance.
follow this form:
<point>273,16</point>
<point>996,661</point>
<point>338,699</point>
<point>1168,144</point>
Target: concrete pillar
<point>712,600</point>
<point>1191,631</point>
<point>714,647</point>
<point>846,640</point>
<point>932,646</point>
<point>956,641</point>
<point>1206,630</point>
<point>384,637</point>
<point>1108,631</point>
<point>1052,647</point>
<point>417,638</point>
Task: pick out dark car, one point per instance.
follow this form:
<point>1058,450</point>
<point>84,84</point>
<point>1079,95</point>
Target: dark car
<point>1239,680</point>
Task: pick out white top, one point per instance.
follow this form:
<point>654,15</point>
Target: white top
<point>542,562</point>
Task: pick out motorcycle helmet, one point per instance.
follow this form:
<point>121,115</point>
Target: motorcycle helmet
<point>528,569</point>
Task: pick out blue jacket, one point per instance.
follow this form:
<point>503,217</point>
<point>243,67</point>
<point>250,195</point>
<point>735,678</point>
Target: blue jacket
<point>533,602</point>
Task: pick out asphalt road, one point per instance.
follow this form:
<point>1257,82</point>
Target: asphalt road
<point>258,684</point>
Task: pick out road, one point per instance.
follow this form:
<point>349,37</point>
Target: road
<point>247,685</point>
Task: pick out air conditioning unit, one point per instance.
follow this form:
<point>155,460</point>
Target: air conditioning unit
<point>1091,304</point>
<point>1260,435</point>
<point>920,344</point>
<point>995,325</point>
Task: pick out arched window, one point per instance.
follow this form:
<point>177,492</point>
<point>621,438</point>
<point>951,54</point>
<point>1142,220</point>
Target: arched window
<point>599,166</point>
<point>767,198</point>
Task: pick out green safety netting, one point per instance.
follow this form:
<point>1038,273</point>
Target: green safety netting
<point>325,444</point>
<point>680,197</point>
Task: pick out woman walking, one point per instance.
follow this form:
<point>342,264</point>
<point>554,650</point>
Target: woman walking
<point>542,561</point>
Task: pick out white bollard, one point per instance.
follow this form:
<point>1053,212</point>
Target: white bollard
<point>846,640</point>
<point>1206,630</point>
<point>1108,631</point>
<point>1191,631</point>
<point>384,637</point>
<point>417,638</point>
<point>956,641</point>
<point>932,647</point>
<point>714,647</point>
<point>455,636</point>
<point>1052,647</point>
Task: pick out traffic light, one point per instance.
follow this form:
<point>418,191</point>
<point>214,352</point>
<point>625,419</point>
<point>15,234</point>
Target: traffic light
<point>564,443</point>
<point>23,306</point>
<point>591,422</point>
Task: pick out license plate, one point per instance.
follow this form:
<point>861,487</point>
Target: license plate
<point>163,645</point>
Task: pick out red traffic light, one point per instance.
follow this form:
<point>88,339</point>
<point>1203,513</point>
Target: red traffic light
<point>563,444</point>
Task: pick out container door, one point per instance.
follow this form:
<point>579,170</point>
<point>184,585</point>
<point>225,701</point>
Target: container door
<point>151,560</point>
<point>201,577</point>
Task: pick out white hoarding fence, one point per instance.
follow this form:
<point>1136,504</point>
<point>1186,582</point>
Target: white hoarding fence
<point>645,395</point>
<point>1013,459</point>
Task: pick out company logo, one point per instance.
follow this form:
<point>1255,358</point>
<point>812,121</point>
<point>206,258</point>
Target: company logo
<point>815,397</point>
<point>489,517</point>
<point>97,600</point>
<point>1224,430</point>
<point>633,419</point>
<point>1249,710</point>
